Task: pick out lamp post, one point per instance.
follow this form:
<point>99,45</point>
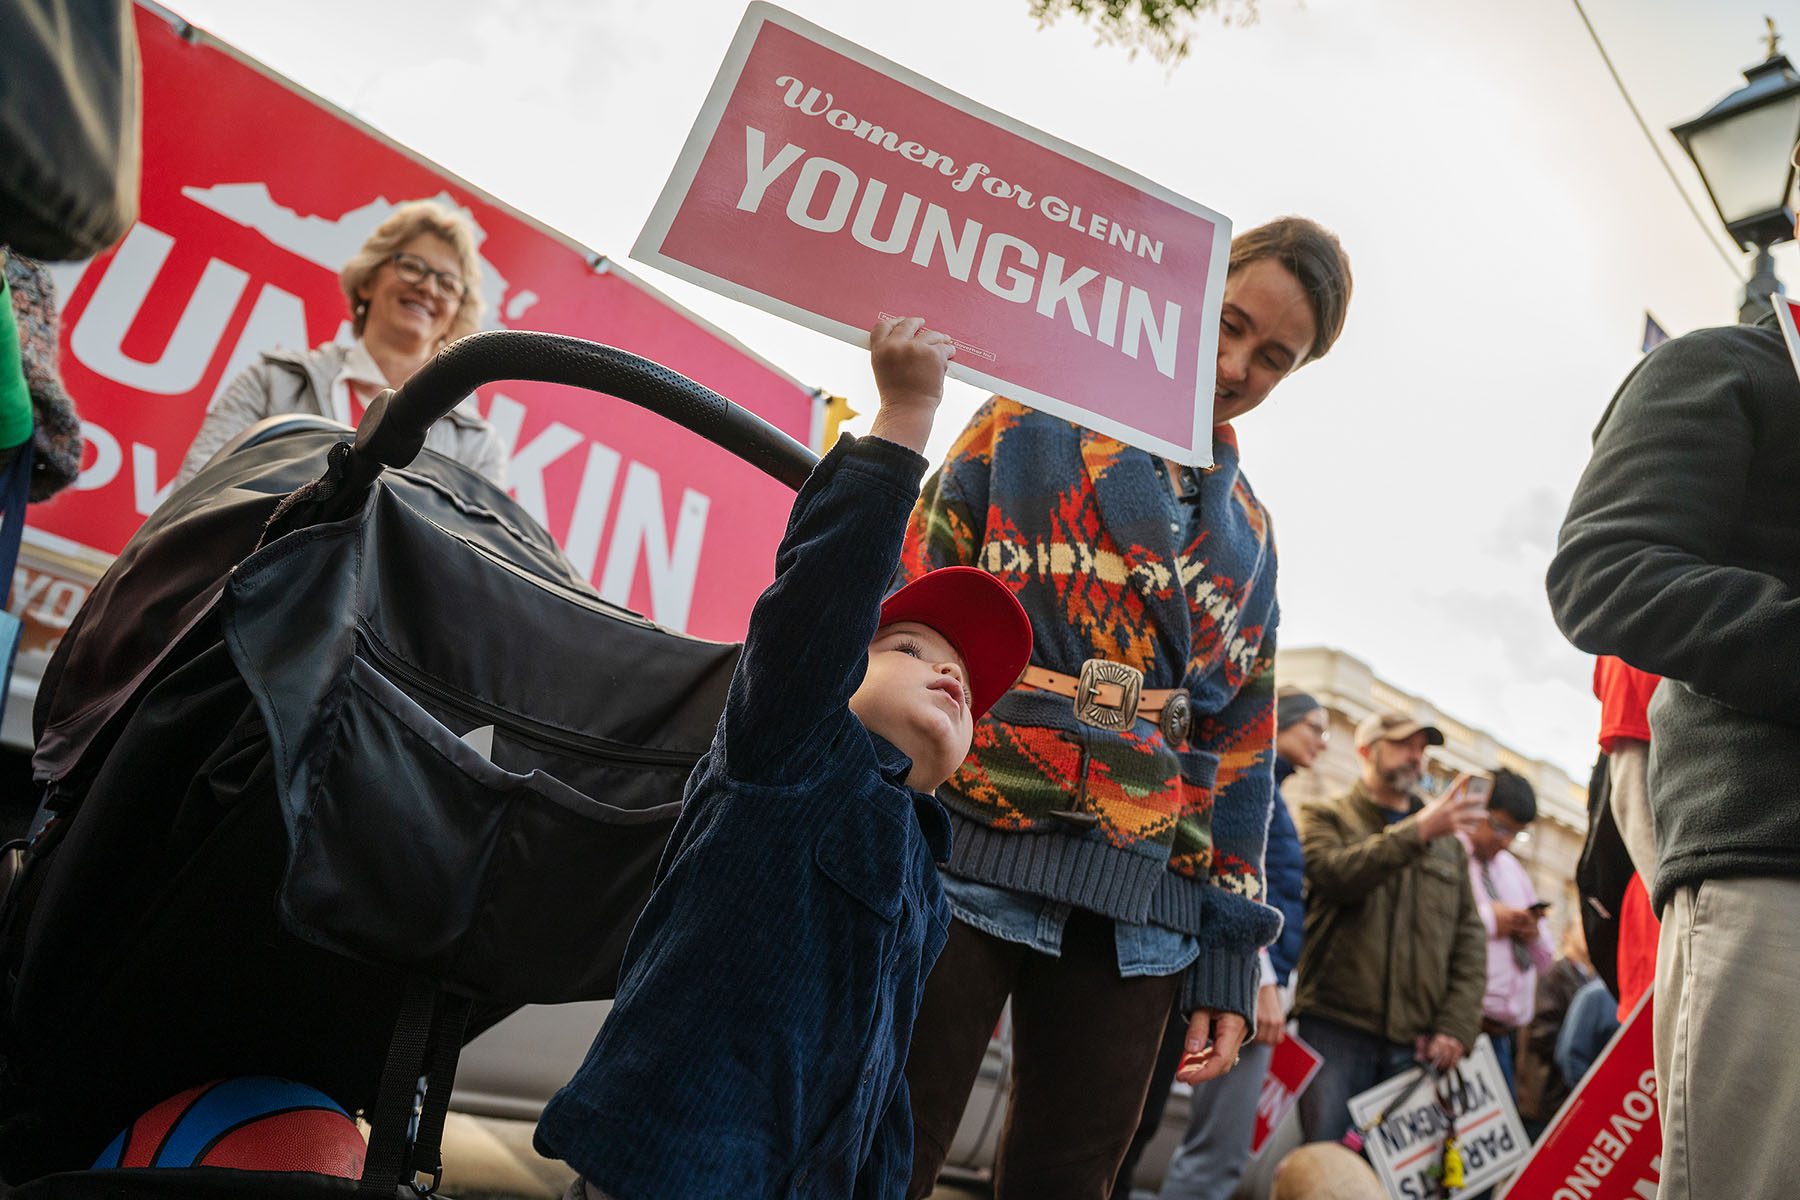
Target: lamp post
<point>1741,147</point>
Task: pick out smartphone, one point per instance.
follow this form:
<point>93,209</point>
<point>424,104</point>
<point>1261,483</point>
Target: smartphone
<point>1480,788</point>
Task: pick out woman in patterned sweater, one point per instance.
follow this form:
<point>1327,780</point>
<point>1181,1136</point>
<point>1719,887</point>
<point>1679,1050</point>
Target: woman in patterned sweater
<point>1107,859</point>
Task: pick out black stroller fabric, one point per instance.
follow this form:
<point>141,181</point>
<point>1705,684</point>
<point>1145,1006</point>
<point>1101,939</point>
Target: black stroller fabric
<point>407,743</point>
<point>70,122</point>
<point>169,574</point>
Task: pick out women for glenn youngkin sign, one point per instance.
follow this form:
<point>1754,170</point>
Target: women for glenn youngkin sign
<point>832,187</point>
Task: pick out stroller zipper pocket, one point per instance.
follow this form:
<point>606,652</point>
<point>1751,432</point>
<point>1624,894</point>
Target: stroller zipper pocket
<point>519,726</point>
<point>409,848</point>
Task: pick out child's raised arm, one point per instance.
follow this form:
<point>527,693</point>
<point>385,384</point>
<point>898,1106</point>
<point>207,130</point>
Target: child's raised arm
<point>909,362</point>
<point>808,643</point>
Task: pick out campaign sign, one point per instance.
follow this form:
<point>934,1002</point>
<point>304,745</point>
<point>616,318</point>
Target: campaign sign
<point>254,194</point>
<point>1787,313</point>
<point>1407,1148</point>
<point>1605,1142</point>
<point>832,187</point>
<point>1292,1066</point>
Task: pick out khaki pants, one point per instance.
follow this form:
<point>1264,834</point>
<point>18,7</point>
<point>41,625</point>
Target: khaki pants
<point>1727,974</point>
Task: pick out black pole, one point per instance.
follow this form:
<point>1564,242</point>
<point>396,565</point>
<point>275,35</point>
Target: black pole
<point>1763,284</point>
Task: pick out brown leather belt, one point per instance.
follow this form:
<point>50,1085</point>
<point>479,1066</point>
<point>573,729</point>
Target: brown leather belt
<point>1111,695</point>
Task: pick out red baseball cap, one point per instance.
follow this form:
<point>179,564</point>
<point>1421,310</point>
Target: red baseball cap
<point>980,616</point>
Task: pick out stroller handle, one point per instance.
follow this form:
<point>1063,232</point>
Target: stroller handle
<point>392,432</point>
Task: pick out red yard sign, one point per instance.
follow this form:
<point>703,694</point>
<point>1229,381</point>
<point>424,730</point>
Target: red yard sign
<point>1787,314</point>
<point>1605,1143</point>
<point>830,186</point>
<point>1292,1066</point>
<point>254,194</point>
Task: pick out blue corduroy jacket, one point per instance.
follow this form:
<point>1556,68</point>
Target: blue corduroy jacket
<point>765,1010</point>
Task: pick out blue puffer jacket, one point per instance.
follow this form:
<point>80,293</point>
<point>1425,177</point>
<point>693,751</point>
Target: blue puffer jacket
<point>1284,872</point>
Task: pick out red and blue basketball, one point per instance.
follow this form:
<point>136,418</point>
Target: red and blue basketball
<point>249,1123</point>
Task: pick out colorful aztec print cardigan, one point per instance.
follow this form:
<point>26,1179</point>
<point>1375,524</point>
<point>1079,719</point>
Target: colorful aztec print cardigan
<point>1081,527</point>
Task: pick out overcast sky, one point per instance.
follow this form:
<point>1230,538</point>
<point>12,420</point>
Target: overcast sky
<point>1507,222</point>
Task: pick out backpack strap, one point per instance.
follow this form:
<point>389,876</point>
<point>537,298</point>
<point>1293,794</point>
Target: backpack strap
<point>422,1056</point>
<point>440,1067</point>
<point>390,1122</point>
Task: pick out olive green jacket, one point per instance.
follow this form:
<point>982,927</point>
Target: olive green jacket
<point>1394,943</point>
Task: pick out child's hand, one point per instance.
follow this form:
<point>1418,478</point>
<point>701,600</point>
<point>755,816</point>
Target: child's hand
<point>909,363</point>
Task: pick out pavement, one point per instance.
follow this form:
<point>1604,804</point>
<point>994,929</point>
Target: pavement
<point>487,1158</point>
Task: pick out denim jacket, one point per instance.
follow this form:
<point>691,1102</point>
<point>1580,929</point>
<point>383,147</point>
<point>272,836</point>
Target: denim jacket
<point>766,1005</point>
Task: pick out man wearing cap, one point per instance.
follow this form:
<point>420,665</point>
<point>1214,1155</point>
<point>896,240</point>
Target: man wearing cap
<point>1395,959</point>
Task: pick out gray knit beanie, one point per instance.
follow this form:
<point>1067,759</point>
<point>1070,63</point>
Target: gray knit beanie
<point>1293,707</point>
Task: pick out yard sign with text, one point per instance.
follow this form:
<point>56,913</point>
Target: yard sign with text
<point>1407,1147</point>
<point>1292,1066</point>
<point>832,187</point>
<point>1605,1143</point>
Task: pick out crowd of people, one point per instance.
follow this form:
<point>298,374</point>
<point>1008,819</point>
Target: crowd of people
<point>1118,862</point>
<point>1118,865</point>
<point>1010,733</point>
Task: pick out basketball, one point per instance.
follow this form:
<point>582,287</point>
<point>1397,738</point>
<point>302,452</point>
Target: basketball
<point>249,1123</point>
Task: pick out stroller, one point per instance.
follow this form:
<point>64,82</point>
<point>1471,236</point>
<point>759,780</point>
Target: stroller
<point>339,769</point>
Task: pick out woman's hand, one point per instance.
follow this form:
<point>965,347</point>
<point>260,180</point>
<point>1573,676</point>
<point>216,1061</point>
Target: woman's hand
<point>1213,1041</point>
<point>909,361</point>
<point>1271,1021</point>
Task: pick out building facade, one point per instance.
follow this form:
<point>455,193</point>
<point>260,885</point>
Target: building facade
<point>1350,690</point>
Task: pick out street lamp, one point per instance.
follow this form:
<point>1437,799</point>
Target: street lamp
<point>1741,147</point>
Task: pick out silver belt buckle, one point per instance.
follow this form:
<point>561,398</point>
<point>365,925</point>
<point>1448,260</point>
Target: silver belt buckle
<point>1088,708</point>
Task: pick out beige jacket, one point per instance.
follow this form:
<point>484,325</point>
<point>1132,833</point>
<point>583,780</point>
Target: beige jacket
<point>288,381</point>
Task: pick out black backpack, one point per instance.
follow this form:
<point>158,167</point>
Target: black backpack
<point>1601,877</point>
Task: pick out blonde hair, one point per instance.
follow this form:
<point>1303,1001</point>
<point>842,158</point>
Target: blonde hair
<point>1326,1171</point>
<point>402,226</point>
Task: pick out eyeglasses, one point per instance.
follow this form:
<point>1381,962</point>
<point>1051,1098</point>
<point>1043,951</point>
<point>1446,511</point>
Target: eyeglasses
<point>1510,832</point>
<point>413,269</point>
<point>1321,731</point>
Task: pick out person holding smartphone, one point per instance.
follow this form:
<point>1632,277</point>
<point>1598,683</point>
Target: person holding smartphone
<point>1518,944</point>
<point>1393,964</point>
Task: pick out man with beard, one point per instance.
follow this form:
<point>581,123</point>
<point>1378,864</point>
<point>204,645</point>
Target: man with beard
<point>1395,958</point>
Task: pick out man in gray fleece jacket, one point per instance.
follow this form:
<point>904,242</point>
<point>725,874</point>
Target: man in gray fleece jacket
<point>1681,555</point>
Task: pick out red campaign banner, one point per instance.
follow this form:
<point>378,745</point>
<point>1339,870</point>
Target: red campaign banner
<point>1787,315</point>
<point>830,186</point>
<point>254,194</point>
<point>1605,1143</point>
<point>1292,1066</point>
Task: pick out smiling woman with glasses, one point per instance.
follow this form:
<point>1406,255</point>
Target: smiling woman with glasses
<point>412,288</point>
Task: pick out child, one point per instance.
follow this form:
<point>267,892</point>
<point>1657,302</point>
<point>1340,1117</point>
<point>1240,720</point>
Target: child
<point>767,1000</point>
